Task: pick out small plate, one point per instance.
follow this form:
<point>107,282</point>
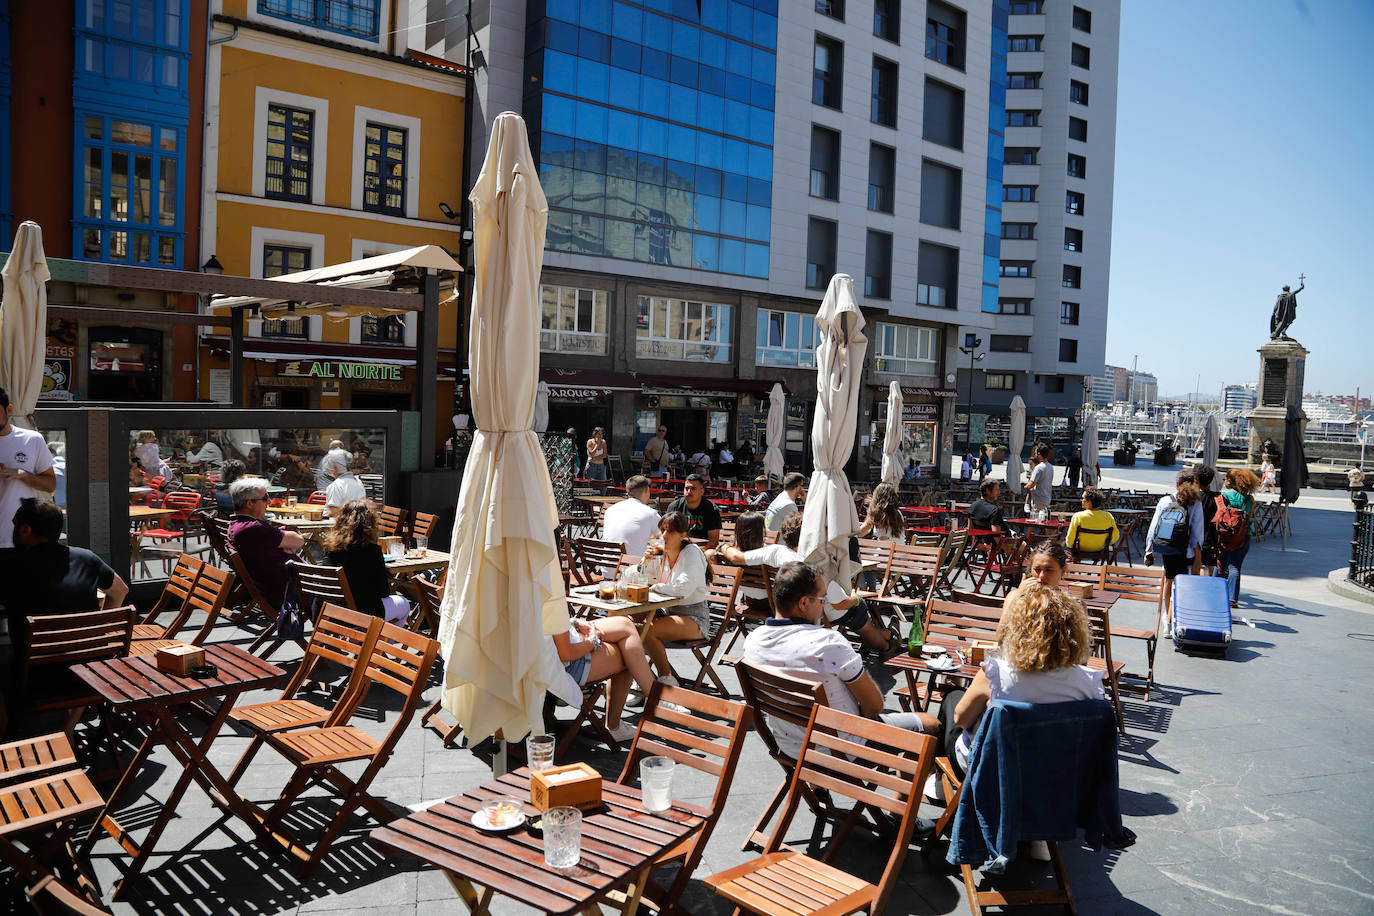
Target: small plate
<point>944,663</point>
<point>479,820</point>
<point>933,651</point>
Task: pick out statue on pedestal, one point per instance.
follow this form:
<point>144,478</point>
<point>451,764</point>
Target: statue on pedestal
<point>1285,310</point>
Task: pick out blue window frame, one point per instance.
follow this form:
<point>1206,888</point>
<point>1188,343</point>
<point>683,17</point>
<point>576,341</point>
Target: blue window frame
<point>290,149</point>
<point>384,169</point>
<point>129,176</point>
<point>358,18</point>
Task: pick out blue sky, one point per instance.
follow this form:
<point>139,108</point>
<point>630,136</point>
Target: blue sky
<point>1244,157</point>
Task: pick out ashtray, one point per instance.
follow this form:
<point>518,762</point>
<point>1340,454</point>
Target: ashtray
<point>202,672</point>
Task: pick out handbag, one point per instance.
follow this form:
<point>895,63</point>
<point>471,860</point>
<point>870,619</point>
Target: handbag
<point>290,619</point>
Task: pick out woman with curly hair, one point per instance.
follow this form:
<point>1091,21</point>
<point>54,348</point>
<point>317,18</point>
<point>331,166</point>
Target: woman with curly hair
<point>1241,484</point>
<point>884,521</point>
<point>352,544</point>
<point>1044,642</point>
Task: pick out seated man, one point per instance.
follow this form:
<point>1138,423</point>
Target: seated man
<point>983,512</point>
<point>345,487</point>
<point>793,643</point>
<point>785,503</point>
<point>703,518</point>
<point>265,548</point>
<point>761,494</point>
<point>632,521</point>
<point>1092,518</point>
<point>842,608</point>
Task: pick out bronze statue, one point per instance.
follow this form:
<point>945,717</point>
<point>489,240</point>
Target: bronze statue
<point>1285,310</point>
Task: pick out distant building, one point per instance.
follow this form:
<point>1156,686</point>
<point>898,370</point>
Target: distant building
<point>1104,387</point>
<point>1141,387</point>
<point>1238,398</point>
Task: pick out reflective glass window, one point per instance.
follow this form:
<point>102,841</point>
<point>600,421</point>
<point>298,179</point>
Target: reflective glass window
<point>593,80</point>
<point>655,63</point>
<point>627,22</point>
<point>761,163</point>
<point>560,71</point>
<point>682,104</point>
<point>594,14</point>
<point>625,88</point>
<point>658,32</point>
<point>686,39</point>
<point>591,122</point>
<point>625,54</point>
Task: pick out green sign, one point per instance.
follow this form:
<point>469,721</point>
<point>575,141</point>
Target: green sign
<point>341,370</point>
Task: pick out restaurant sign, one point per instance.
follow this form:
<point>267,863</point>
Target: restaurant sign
<point>322,369</point>
<point>920,411</point>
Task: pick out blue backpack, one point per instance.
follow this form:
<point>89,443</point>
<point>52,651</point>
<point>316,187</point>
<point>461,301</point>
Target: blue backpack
<point>1171,537</point>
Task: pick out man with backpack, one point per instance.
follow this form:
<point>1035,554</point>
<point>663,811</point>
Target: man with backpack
<point>1176,531</point>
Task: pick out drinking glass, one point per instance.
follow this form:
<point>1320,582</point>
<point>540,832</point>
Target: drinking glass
<point>656,782</point>
<point>539,751</point>
<point>421,544</point>
<point>394,548</point>
<point>562,837</point>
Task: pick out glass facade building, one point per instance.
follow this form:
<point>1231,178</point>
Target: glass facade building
<point>997,120</point>
<point>653,126</point>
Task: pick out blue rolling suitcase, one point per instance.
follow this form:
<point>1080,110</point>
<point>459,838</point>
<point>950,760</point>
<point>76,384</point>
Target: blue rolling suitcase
<point>1202,613</point>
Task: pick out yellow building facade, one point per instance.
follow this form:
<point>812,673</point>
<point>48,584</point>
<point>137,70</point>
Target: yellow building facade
<point>326,141</point>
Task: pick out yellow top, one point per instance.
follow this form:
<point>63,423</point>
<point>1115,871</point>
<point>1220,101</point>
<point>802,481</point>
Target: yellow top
<point>1092,520</point>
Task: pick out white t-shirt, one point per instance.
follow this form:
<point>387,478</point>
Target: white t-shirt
<point>209,455</point>
<point>811,653</point>
<point>686,579</point>
<point>27,450</point>
<point>344,489</point>
<point>1076,682</point>
<point>778,510</point>
<point>778,556</point>
<point>632,523</point>
<point>1042,483</point>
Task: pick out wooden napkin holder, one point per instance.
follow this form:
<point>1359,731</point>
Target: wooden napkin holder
<point>180,659</point>
<point>386,544</point>
<point>639,594</point>
<point>1079,590</point>
<point>574,785</point>
<point>978,652</point>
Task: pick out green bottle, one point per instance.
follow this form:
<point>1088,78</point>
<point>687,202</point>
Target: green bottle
<point>917,639</point>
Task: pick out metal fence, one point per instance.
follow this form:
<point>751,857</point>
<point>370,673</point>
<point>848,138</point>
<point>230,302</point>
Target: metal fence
<point>1362,543</point>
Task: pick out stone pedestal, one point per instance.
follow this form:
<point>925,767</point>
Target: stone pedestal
<point>1282,365</point>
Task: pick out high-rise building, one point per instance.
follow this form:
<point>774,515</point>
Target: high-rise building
<point>1104,387</point>
<point>1056,220</point>
<point>1141,387</point>
<point>1238,398</point>
<point>709,166</point>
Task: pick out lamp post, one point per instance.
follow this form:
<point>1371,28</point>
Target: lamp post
<point>971,344</point>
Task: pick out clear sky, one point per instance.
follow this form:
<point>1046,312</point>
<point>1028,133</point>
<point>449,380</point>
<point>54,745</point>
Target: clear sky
<point>1244,157</point>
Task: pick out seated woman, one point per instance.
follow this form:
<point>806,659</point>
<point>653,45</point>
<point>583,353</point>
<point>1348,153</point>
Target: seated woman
<point>609,647</point>
<point>229,472</point>
<point>352,544</point>
<point>1093,518</point>
<point>684,576</point>
<point>1048,560</point>
<point>1043,647</point>
<point>883,522</point>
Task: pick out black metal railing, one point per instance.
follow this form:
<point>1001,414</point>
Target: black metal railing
<point>1362,543</point>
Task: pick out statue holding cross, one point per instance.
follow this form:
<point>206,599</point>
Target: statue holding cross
<point>1285,310</point>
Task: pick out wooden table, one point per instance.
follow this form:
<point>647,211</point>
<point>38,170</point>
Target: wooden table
<point>620,843</point>
<point>412,563</point>
<point>310,511</point>
<point>586,596</point>
<point>148,513</point>
<point>135,685</point>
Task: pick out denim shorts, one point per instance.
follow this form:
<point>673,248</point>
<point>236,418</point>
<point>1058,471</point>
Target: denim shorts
<point>578,669</point>
<point>855,617</point>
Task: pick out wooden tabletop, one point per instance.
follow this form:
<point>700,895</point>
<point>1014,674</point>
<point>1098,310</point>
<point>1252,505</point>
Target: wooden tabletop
<point>586,595</point>
<point>135,680</point>
<point>300,510</point>
<point>412,562</point>
<point>303,524</point>
<point>1048,523</point>
<point>143,512</point>
<point>617,841</point>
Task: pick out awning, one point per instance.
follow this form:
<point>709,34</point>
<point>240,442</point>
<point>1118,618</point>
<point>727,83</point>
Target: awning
<point>309,349</point>
<point>701,385</point>
<point>585,383</point>
<point>921,391</point>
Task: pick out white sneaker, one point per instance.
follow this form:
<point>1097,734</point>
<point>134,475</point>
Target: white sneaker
<point>624,732</point>
<point>1040,850</point>
<point>669,681</point>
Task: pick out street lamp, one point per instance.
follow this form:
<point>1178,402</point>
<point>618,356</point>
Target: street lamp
<point>971,344</point>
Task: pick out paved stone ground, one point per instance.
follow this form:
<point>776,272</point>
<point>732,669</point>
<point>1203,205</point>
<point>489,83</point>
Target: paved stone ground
<point>1246,778</point>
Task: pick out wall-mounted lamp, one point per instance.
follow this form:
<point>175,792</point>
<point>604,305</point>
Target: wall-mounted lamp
<point>448,211</point>
<point>212,266</point>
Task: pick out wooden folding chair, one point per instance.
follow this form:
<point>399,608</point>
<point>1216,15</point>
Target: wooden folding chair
<point>400,662</point>
<point>759,579</point>
<point>28,757</point>
<point>209,593</point>
<point>1099,624</point>
<point>885,774</point>
<point>422,525</point>
<point>977,599</point>
<point>721,595</point>
<point>269,610</point>
<point>955,546</point>
<point>701,732</point>
<point>58,641</point>
<point>342,636</point>
<point>778,701</point>
<point>391,521</point>
<point>1104,555</point>
<point>41,814</point>
<point>428,607</point>
<point>1140,583</point>
<point>318,585</point>
<point>50,897</point>
<point>593,558</point>
<point>1004,563</point>
<point>876,553</point>
<point>173,598</point>
<point>912,576</point>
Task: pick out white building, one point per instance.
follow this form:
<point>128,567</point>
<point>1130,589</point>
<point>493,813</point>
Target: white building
<point>1238,398</point>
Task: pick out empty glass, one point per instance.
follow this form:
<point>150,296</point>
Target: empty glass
<point>421,544</point>
<point>656,782</point>
<point>394,548</point>
<point>562,837</point>
<point>539,752</point>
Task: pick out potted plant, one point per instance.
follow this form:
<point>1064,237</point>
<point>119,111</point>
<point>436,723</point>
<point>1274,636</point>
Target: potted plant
<point>1124,456</point>
<point>1167,451</point>
<point>997,452</point>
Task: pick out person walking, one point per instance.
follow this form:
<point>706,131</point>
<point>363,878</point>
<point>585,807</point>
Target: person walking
<point>984,464</point>
<point>1235,507</point>
<point>657,454</point>
<point>1040,484</point>
<point>1266,475</point>
<point>1074,468</point>
<point>1176,532</point>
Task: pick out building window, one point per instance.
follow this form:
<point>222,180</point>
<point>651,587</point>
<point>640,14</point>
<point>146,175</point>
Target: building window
<point>1014,306</point>
<point>1009,343</point>
<point>1073,203</point>
<point>1021,155</point>
<point>384,169</point>
<point>1025,42</point>
<point>905,349</point>
<point>284,259</point>
<point>1023,118</point>
<point>882,176</point>
<point>832,8</point>
<point>572,320</point>
<point>820,252</point>
<point>825,163</point>
<point>1017,268</point>
<point>1000,381</point>
<point>878,265</point>
<point>1019,192</point>
<point>1068,350</point>
<point>945,34</point>
<point>142,43</point>
<point>387,329</point>
<point>290,326</point>
<point>887,19</point>
<point>1073,239</point>
<point>883,109</point>
<point>937,276</point>
<point>1018,230</point>
<point>1082,20</point>
<point>1073,277</point>
<point>1080,56</point>
<point>1068,313</point>
<point>348,17</point>
<point>1023,80</point>
<point>682,329</point>
<point>290,142</point>
<point>942,118</point>
<point>1078,92</point>
<point>786,339</point>
<point>1026,7</point>
<point>1078,166</point>
<point>131,208</point>
<point>940,194</point>
<point>827,79</point>
<point>1054,384</point>
<point>1078,129</point>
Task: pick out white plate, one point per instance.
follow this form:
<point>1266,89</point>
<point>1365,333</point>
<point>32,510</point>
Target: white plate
<point>479,820</point>
<point>942,664</point>
<point>934,650</point>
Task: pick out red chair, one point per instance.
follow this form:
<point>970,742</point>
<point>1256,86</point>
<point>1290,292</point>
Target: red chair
<point>177,525</point>
<point>317,498</point>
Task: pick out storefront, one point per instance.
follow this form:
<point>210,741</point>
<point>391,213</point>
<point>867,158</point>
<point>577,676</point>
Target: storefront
<point>311,376</point>
<point>923,425</point>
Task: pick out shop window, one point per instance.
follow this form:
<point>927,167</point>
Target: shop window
<point>388,329</point>
<point>572,320</point>
<point>905,349</point>
<point>384,169</point>
<point>125,364</point>
<point>786,339</point>
<point>131,209</point>
<point>682,329</point>
<point>917,447</point>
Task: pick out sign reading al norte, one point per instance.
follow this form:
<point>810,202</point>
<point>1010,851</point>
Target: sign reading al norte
<point>332,369</point>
